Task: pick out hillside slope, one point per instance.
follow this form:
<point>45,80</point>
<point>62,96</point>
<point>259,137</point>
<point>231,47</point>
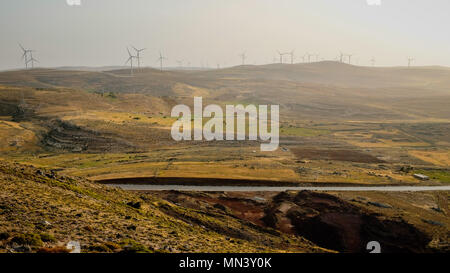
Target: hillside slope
<point>41,211</point>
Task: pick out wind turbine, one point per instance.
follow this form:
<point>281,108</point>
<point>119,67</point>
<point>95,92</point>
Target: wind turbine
<point>32,60</point>
<point>309,57</point>
<point>303,58</point>
<point>161,59</point>
<point>292,56</point>
<point>25,55</point>
<point>138,55</point>
<point>243,57</point>
<point>180,63</point>
<point>341,57</point>
<point>130,60</point>
<point>410,60</point>
<point>349,58</point>
<point>281,56</point>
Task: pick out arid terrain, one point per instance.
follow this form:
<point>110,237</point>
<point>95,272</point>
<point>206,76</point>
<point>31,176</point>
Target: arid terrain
<point>62,131</point>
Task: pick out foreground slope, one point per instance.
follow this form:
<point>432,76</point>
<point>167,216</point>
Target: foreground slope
<point>41,211</point>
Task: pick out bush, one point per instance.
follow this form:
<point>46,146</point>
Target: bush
<point>4,236</point>
<point>47,237</point>
<point>131,246</point>
<point>99,248</point>
<point>30,239</point>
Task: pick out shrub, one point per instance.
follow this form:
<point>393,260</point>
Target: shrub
<point>30,239</point>
<point>131,246</point>
<point>4,236</point>
<point>47,237</point>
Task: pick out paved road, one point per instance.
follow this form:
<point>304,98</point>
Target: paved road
<point>265,188</point>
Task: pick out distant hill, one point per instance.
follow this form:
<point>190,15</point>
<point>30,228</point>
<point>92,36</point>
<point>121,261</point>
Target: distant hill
<point>314,90</point>
<point>339,74</point>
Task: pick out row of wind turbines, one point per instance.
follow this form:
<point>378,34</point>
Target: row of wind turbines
<point>30,60</point>
<point>137,57</point>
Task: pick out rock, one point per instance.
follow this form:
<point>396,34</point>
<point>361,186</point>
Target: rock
<point>74,247</point>
<point>45,223</point>
<point>21,248</point>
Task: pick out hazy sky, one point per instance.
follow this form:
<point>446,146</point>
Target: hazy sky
<point>216,31</point>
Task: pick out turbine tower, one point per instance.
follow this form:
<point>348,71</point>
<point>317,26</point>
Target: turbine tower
<point>32,60</point>
<point>341,57</point>
<point>410,60</point>
<point>138,55</point>
<point>281,56</point>
<point>303,58</point>
<point>130,60</point>
<point>243,57</point>
<point>292,56</point>
<point>349,58</point>
<point>161,59</point>
<point>309,57</point>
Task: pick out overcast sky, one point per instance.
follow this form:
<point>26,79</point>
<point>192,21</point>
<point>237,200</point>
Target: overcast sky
<point>208,32</point>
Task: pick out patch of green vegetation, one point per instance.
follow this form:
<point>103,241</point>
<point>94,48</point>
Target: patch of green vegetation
<point>440,175</point>
<point>102,248</point>
<point>131,246</point>
<point>298,131</point>
<point>45,237</point>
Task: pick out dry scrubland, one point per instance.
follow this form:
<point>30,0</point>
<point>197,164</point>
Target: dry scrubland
<point>339,124</point>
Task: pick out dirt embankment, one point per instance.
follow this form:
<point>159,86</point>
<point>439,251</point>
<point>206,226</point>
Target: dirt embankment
<point>324,219</point>
<point>336,224</point>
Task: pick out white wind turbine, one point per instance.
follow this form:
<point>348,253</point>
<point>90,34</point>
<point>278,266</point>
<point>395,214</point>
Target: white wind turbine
<point>32,60</point>
<point>130,60</point>
<point>26,53</point>
<point>138,55</point>
<point>161,59</point>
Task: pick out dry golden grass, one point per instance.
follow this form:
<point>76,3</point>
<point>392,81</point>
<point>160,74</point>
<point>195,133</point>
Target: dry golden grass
<point>439,158</point>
